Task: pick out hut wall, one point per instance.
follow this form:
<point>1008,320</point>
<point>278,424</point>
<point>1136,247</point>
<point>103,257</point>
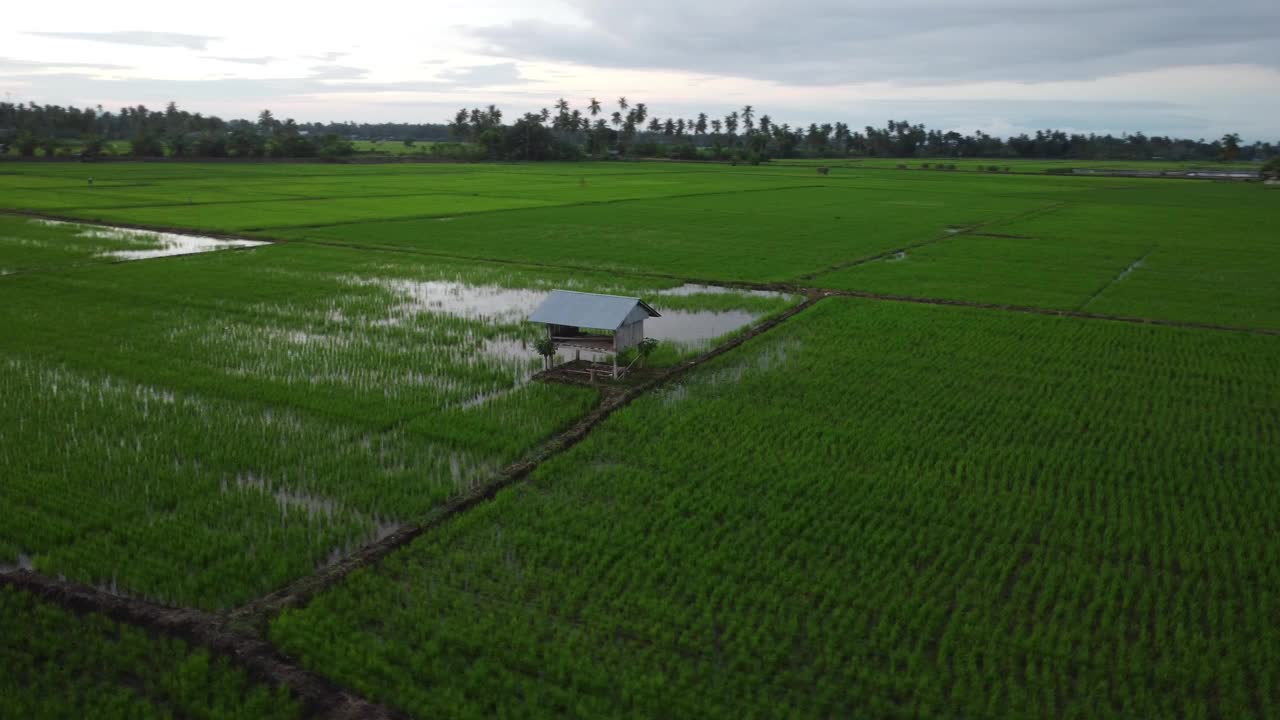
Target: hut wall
<point>628,336</point>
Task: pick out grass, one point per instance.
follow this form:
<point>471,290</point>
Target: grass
<point>903,510</point>
<point>1026,165</point>
<point>732,236</point>
<point>877,508</point>
<point>300,398</point>
<point>57,664</point>
<point>1173,251</point>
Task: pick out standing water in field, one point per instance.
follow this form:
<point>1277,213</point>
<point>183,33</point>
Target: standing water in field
<point>493,303</point>
<point>122,243</point>
<point>22,563</point>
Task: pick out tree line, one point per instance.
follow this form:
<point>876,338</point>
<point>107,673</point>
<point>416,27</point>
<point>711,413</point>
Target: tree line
<point>564,133</point>
<point>744,134</point>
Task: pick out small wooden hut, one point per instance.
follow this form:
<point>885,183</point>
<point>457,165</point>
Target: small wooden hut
<point>577,319</point>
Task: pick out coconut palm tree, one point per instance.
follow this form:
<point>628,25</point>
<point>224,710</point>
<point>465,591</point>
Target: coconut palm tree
<point>731,125</point>
<point>701,126</point>
<point>593,107</point>
<point>748,114</point>
<point>622,103</point>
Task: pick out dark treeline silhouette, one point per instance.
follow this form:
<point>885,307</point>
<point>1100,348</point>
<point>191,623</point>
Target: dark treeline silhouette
<point>621,128</point>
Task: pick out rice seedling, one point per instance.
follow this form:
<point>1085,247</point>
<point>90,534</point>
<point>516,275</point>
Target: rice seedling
<point>913,510</point>
<point>54,663</point>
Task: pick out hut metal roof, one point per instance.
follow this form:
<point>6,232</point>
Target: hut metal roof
<point>591,310</point>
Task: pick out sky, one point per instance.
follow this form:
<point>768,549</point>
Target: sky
<point>1186,68</point>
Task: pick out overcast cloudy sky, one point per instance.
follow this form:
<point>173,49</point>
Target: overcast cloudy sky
<point>1190,68</point>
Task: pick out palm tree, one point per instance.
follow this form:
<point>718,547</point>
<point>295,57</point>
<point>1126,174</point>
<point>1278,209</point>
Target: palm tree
<point>748,114</point>
<point>266,121</point>
<point>459,127</point>
<point>642,112</point>
<point>562,114</point>
<point>1230,146</point>
<point>715,127</point>
<point>594,107</point>
<point>617,118</point>
<point>622,103</point>
<point>731,125</point>
<point>701,126</point>
<point>655,125</point>
<point>765,123</point>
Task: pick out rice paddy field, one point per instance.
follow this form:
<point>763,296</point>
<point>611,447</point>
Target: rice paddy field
<point>1016,455</point>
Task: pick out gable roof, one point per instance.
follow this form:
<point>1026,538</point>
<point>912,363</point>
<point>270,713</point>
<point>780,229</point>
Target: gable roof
<point>591,310</point>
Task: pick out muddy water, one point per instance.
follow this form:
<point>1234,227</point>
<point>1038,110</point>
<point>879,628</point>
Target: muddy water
<point>690,327</point>
<point>499,304</point>
<point>473,302</point>
<point>695,289</point>
<point>151,244</point>
<point>23,562</point>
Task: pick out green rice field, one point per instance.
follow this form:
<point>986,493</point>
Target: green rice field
<point>1016,456</point>
<point>58,664</point>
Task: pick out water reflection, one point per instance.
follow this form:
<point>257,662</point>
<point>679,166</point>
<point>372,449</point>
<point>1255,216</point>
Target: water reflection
<point>150,244</point>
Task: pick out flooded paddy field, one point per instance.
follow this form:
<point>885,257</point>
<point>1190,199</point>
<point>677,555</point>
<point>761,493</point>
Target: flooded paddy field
<point>33,243</point>
<point>905,509</point>
<point>303,399</point>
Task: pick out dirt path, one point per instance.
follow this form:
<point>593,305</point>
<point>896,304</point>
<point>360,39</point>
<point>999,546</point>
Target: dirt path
<point>320,698</point>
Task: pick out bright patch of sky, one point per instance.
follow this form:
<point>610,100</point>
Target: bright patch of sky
<point>1184,68</point>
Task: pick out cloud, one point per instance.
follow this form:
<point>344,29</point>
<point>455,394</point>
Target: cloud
<point>137,37</point>
<point>328,57</point>
<point>506,73</point>
<point>243,60</point>
<point>827,42</point>
<point>13,64</point>
<point>336,72</point>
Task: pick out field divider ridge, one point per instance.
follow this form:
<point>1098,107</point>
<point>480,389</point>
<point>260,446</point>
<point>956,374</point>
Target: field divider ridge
<point>777,286</point>
<point>1044,209</point>
<point>1122,275</point>
<point>546,206</point>
<point>257,613</point>
<point>1051,312</point>
<point>263,662</point>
